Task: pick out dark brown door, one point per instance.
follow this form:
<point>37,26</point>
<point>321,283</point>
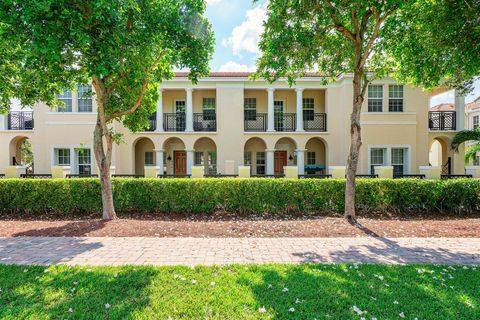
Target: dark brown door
<point>179,162</point>
<point>280,160</point>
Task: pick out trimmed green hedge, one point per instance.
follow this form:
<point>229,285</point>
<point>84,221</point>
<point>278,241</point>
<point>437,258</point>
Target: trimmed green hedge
<point>238,195</point>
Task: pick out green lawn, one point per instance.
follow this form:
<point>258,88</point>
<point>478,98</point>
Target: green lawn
<point>241,292</point>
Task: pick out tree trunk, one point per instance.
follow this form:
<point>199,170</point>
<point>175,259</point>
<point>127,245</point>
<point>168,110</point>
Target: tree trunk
<point>355,144</point>
<point>103,163</point>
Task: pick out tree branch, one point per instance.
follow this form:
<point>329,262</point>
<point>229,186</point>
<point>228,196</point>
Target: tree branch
<point>135,106</point>
<point>338,24</point>
<point>378,23</point>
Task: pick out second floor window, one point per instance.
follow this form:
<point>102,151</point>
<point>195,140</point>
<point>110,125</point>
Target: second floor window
<point>208,108</point>
<point>66,98</point>
<point>375,98</point>
<point>475,122</point>
<point>308,109</point>
<point>84,94</point>
<point>250,108</point>
<point>395,98</point>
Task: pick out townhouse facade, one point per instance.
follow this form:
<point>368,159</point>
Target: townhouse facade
<point>227,120</point>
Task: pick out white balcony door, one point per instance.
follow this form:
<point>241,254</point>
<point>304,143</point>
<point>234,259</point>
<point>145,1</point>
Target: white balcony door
<point>179,115</point>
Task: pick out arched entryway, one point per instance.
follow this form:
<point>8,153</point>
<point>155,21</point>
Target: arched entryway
<point>315,156</point>
<point>205,155</point>
<point>254,155</point>
<point>175,156</point>
<point>284,154</point>
<point>20,153</point>
<point>441,155</point>
<point>144,155</point>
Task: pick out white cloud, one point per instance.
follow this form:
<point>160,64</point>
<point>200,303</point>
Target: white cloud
<point>213,2</point>
<point>233,66</point>
<point>245,37</point>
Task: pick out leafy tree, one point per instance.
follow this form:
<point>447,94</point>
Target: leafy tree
<point>369,39</point>
<point>124,48</point>
<point>467,136</point>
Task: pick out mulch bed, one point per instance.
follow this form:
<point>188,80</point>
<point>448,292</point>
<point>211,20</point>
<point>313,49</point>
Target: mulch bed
<point>228,225</point>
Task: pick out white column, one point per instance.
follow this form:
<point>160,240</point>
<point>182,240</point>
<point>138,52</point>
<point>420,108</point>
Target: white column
<point>301,160</point>
<point>460,109</point>
<point>189,110</point>
<point>190,154</point>
<point>3,122</point>
<point>271,110</point>
<point>270,164</point>
<point>159,118</point>
<point>159,160</point>
<point>299,112</point>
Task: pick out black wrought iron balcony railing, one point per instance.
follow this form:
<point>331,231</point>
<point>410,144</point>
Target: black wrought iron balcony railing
<point>255,121</point>
<point>206,121</point>
<point>20,120</point>
<point>316,122</point>
<point>442,120</point>
<point>285,122</point>
<point>174,121</point>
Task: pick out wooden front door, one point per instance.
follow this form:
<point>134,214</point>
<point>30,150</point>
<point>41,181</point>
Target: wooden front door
<point>280,160</point>
<point>179,162</point>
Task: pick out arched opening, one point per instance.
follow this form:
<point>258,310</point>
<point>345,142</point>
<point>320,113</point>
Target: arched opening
<point>284,155</point>
<point>254,156</point>
<point>315,156</point>
<point>144,155</point>
<point>175,156</point>
<point>206,155</point>
<point>440,154</point>
<point>21,153</point>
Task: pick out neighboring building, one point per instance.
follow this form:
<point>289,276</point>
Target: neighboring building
<point>472,120</point>
<point>227,117</point>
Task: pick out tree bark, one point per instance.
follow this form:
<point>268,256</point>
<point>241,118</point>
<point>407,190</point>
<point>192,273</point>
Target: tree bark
<point>355,144</point>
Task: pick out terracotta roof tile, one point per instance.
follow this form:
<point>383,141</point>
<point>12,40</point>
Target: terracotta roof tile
<point>443,107</point>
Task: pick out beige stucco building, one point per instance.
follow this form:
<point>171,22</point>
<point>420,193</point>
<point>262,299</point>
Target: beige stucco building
<point>227,119</point>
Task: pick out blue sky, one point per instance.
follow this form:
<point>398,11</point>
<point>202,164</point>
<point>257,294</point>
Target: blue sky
<point>238,24</point>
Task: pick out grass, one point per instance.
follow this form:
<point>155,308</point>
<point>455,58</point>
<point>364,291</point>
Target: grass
<point>240,292</point>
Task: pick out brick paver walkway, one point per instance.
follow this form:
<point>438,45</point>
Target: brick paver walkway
<point>192,251</point>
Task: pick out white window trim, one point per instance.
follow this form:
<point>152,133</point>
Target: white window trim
<point>73,162</point>
<point>403,99</point>
<point>388,161</point>
<point>382,99</point>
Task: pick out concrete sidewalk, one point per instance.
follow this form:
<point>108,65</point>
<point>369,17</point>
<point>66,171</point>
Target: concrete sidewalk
<point>209,251</point>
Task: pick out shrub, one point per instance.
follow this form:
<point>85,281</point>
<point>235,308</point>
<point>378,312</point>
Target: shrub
<point>238,195</point>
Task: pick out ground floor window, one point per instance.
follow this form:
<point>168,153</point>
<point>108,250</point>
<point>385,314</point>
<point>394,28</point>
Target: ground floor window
<point>260,162</point>
<point>84,164</point>
<point>148,158</point>
<point>62,157</point>
<point>247,159</point>
<point>198,161</point>
<point>398,160</point>
<point>311,158</point>
<point>377,158</point>
<point>212,162</point>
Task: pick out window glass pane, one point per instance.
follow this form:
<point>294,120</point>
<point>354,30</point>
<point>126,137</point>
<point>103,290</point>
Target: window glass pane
<point>84,99</point>
<point>260,162</point>
<point>395,95</point>
<point>198,158</point>
<point>212,163</point>
<point>208,108</point>
<point>250,108</point>
<point>311,158</point>
<point>377,158</point>
<point>398,160</point>
<point>180,106</point>
<point>66,98</point>
<point>84,161</point>
<point>308,109</point>
<point>247,159</point>
<point>62,157</point>
<point>149,158</point>
<point>475,122</point>
<point>375,98</point>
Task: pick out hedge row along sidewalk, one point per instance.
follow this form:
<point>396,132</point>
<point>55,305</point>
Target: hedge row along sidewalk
<point>238,195</point>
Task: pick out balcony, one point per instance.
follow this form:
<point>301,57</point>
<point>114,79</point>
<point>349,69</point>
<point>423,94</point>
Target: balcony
<point>256,122</point>
<point>284,122</point>
<point>442,120</point>
<point>152,123</point>
<point>174,121</point>
<point>316,122</point>
<point>20,120</point>
<point>206,121</point>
